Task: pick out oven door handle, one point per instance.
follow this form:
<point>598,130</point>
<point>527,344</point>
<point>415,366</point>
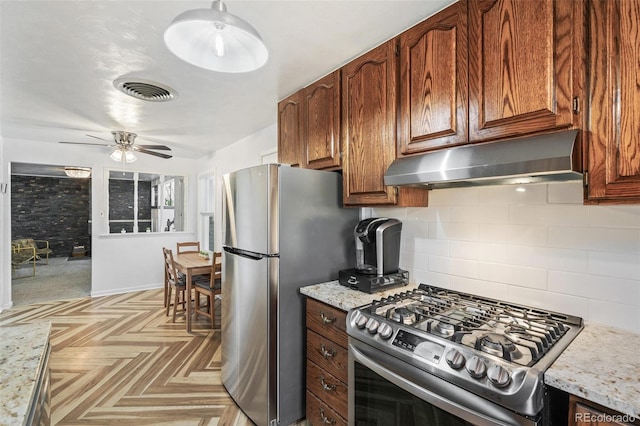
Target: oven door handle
<point>452,399</point>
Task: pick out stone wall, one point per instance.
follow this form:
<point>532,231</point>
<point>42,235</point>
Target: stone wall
<point>54,209</point>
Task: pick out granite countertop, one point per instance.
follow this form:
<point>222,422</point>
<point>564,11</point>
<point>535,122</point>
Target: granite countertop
<point>22,350</point>
<point>601,365</point>
<point>341,297</point>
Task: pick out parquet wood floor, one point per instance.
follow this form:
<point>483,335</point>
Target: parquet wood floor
<point>120,360</point>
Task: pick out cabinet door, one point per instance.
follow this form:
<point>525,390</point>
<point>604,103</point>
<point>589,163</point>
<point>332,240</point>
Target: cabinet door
<point>434,83</point>
<point>521,66</point>
<point>290,130</point>
<point>322,123</point>
<point>369,125</point>
<point>614,137</point>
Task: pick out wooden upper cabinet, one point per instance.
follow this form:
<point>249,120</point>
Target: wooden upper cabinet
<point>321,122</point>
<point>614,136</point>
<point>289,130</point>
<point>434,83</point>
<point>523,66</point>
<point>369,125</point>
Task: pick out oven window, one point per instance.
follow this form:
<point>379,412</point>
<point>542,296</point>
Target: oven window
<point>379,402</point>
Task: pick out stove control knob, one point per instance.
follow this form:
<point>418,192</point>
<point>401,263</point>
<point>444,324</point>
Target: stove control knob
<point>372,326</point>
<point>455,359</point>
<point>360,319</point>
<point>498,376</point>
<point>385,331</point>
<point>476,368</point>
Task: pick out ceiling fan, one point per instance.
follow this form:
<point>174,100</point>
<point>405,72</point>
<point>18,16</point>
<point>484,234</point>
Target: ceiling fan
<point>124,147</point>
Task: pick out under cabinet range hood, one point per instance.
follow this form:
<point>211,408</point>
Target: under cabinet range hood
<point>550,157</point>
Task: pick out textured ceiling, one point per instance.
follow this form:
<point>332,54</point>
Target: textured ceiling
<point>58,61</point>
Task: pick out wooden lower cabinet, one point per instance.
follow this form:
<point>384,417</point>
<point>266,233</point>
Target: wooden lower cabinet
<point>587,413</point>
<point>327,357</point>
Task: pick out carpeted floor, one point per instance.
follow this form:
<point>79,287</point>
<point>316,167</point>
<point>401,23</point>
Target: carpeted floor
<point>59,280</point>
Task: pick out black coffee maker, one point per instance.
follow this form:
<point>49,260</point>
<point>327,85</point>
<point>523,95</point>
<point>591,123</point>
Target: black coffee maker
<point>378,246</point>
<point>377,257</point>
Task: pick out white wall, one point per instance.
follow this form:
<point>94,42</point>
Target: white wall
<point>120,263</point>
<point>541,248</point>
<point>244,153</point>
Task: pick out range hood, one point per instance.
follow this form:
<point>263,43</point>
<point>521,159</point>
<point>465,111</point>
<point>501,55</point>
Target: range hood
<point>550,157</point>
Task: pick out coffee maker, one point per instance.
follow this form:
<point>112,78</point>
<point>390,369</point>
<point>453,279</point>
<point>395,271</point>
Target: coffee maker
<point>377,256</point>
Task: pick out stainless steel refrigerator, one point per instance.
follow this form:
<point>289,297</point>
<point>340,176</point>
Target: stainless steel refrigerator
<point>284,228</point>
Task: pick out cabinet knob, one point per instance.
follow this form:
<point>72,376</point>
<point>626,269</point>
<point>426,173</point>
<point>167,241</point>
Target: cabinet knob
<point>326,353</point>
<point>326,420</point>
<point>327,319</point>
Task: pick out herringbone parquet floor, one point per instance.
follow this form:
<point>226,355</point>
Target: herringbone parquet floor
<point>120,360</point>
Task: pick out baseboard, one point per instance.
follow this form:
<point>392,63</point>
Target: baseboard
<point>113,291</point>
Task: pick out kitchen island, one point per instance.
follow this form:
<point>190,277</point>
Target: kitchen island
<point>24,374</point>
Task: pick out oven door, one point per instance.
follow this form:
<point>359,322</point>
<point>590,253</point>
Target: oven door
<point>384,390</point>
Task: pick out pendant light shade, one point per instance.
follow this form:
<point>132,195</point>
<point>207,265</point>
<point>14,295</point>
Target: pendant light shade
<point>77,172</point>
<point>216,40</point>
<point>120,154</point>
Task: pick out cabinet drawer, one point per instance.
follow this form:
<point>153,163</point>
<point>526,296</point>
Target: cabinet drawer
<point>319,414</point>
<point>328,355</point>
<point>327,321</point>
<point>328,388</point>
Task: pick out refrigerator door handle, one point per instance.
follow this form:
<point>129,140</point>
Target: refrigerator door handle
<point>245,253</point>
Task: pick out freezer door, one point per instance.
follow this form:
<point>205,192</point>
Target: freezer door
<point>251,209</point>
<point>248,339</point>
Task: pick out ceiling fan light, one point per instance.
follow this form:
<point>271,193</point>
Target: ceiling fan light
<point>216,40</point>
<point>77,172</point>
<point>129,157</point>
<point>116,155</point>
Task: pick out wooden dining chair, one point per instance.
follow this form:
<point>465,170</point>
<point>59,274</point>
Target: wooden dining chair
<point>174,282</point>
<point>209,287</point>
<point>188,247</point>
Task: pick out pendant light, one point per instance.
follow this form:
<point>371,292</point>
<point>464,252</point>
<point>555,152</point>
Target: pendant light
<point>216,40</point>
<point>77,172</point>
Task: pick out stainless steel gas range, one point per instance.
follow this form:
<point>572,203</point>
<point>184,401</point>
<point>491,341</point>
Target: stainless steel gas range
<point>433,356</point>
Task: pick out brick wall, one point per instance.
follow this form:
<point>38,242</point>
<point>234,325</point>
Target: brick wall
<point>53,209</point>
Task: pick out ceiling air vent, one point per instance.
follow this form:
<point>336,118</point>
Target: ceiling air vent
<point>145,90</point>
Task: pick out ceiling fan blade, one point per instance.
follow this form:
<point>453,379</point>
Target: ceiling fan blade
<point>86,143</point>
<point>157,154</point>
<point>97,137</point>
<point>162,147</point>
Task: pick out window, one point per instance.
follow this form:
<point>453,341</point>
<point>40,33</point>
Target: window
<point>145,202</point>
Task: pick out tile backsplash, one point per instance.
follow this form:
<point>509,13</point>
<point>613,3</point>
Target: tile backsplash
<point>541,247</point>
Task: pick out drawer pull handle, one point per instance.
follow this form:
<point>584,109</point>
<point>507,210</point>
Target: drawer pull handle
<point>327,319</point>
<point>326,420</point>
<point>326,386</point>
<point>326,353</point>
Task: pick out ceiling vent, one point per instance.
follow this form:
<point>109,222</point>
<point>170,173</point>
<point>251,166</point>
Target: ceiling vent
<point>145,90</point>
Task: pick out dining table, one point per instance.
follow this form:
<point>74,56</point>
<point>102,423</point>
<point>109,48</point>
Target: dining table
<point>191,264</point>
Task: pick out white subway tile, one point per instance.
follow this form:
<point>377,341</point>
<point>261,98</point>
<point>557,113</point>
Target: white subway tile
<point>526,235</point>
<point>594,287</point>
<point>619,265</point>
<point>567,259</point>
<point>421,276</point>
<point>399,213</point>
<point>617,315</point>
<point>595,239</point>
<point>453,197</point>
<point>489,213</point>
<point>430,214</point>
<point>454,231</point>
<point>548,214</point>
<point>535,257</point>
<point>488,252</point>
<point>459,267</point>
<point>513,275</point>
<point>561,303</point>
<point>428,246</point>
<point>566,193</point>
<point>614,216</point>
<point>507,194</point>
<point>479,287</point>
